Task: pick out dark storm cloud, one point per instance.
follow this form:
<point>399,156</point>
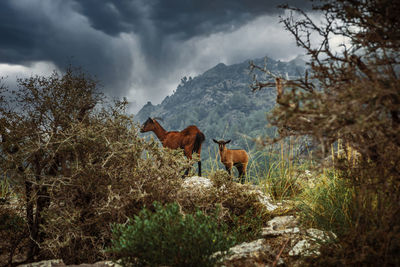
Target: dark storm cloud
<point>189,18</point>
<point>53,31</point>
<point>179,17</point>
<point>125,43</point>
<point>160,21</point>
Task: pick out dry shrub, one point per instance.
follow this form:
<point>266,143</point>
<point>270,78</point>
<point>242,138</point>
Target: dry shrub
<point>108,188</point>
<point>78,165</point>
<point>117,187</point>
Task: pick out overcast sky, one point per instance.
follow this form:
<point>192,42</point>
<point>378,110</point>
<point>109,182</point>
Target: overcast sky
<point>139,49</point>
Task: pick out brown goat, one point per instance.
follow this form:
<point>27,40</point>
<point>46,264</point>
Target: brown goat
<point>190,139</point>
<point>233,157</point>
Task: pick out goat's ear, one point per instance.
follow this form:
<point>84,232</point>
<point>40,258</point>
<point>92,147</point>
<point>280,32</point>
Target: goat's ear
<point>227,141</point>
<point>215,141</point>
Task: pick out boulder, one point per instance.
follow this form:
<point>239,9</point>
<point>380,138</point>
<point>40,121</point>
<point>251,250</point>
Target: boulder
<point>305,248</point>
<point>46,263</point>
<point>281,225</point>
<point>265,200</point>
<point>311,242</point>
<point>60,263</point>
<point>197,182</point>
<point>253,254</point>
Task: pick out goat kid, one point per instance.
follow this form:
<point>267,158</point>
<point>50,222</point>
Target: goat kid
<point>233,157</point>
<point>190,139</point>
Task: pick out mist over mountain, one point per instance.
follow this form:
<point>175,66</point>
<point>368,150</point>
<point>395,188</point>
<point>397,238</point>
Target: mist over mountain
<point>221,103</point>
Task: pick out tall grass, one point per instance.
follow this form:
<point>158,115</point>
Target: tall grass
<point>328,205</point>
<point>274,169</point>
<point>322,198</point>
<point>277,168</point>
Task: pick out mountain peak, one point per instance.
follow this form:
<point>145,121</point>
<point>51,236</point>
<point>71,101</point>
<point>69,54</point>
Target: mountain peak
<point>220,65</point>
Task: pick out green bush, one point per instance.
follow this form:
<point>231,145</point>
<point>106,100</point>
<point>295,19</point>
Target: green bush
<point>167,237</point>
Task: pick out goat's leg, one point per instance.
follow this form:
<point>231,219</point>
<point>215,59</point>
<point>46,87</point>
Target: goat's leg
<point>186,173</point>
<point>188,153</point>
<point>245,168</point>
<point>241,171</point>
<point>228,168</point>
<point>199,165</point>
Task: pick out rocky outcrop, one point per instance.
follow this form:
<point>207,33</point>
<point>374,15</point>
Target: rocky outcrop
<point>283,243</point>
<point>281,225</point>
<point>60,263</point>
<point>257,253</point>
<point>198,185</point>
<point>265,200</point>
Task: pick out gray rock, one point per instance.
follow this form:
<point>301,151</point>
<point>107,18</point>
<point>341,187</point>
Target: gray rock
<point>281,225</point>
<point>60,263</point>
<point>265,200</point>
<point>197,182</point>
<point>256,253</point>
<point>305,248</point>
<point>319,235</point>
<point>266,232</point>
<point>46,263</point>
<point>310,245</point>
<point>283,222</point>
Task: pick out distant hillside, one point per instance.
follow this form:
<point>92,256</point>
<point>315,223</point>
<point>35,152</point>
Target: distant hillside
<point>221,103</point>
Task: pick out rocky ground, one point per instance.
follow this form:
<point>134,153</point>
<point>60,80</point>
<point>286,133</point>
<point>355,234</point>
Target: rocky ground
<point>283,241</point>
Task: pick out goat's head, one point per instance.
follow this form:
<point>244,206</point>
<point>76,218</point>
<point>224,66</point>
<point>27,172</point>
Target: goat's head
<point>221,144</point>
<point>148,125</point>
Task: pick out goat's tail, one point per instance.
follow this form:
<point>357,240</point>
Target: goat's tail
<point>198,141</point>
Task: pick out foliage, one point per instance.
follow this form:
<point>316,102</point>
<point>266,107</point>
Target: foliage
<point>351,93</point>
<point>168,237</point>
<point>78,164</point>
